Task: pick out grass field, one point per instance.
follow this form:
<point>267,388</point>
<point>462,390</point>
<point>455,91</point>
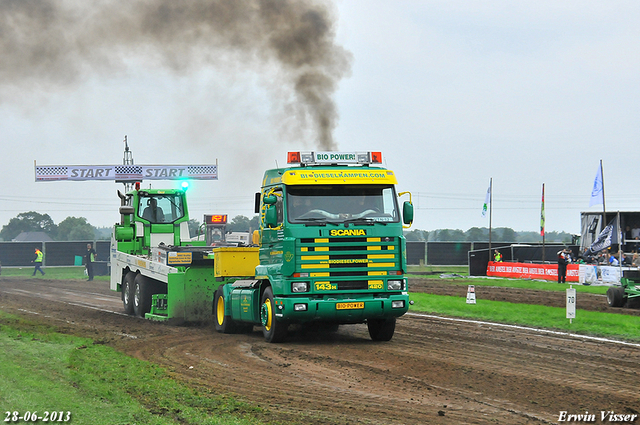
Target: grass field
<point>618,326</point>
<point>65,273</point>
<point>43,371</point>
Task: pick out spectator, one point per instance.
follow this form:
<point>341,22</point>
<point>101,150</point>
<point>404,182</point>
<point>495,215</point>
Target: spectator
<point>37,261</point>
<point>497,257</point>
<point>89,258</point>
<point>563,259</point>
<point>628,237</point>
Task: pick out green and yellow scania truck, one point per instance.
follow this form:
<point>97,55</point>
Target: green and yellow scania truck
<point>330,251</point>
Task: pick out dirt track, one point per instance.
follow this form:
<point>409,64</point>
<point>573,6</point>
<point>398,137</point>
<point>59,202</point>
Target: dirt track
<point>433,371</point>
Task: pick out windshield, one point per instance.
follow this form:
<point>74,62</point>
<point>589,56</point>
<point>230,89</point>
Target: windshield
<point>160,208</point>
<point>340,203</point>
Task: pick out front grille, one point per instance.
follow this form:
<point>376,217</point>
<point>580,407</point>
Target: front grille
<point>367,258</point>
<point>350,285</point>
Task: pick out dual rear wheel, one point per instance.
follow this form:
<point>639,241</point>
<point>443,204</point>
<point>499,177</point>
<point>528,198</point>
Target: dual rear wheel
<point>137,291</point>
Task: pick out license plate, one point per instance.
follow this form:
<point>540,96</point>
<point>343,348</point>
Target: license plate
<point>350,306</point>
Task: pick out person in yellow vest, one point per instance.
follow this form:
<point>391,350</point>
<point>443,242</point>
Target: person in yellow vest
<point>497,257</point>
<point>90,257</point>
<point>37,261</point>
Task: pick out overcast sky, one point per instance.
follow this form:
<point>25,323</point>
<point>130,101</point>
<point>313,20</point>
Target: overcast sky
<point>452,92</point>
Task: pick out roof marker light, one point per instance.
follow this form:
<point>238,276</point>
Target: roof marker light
<point>293,158</point>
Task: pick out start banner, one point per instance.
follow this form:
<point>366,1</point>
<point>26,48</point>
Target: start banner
<point>122,173</point>
<point>531,271</point>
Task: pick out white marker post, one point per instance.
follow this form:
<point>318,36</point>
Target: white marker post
<point>571,303</point>
<point>471,295</point>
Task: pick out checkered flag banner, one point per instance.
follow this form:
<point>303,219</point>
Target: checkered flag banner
<point>124,173</point>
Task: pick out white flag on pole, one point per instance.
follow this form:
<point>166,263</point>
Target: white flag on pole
<point>597,192</point>
<point>486,202</point>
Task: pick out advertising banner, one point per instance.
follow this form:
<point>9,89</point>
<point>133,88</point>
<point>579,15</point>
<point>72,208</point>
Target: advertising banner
<point>122,173</point>
<point>531,271</point>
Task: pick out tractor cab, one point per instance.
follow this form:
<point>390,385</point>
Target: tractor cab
<point>154,217</point>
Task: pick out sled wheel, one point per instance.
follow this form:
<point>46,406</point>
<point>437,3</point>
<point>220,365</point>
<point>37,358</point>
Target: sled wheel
<point>615,296</point>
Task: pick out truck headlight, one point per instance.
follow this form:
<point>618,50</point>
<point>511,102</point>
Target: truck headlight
<point>300,287</point>
<point>395,285</point>
<point>397,304</point>
<point>299,307</point>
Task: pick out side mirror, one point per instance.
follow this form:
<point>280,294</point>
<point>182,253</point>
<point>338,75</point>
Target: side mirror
<point>270,200</point>
<point>271,215</point>
<point>407,212</point>
<point>256,202</point>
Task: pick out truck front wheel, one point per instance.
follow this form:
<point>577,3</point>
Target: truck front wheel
<point>381,329</point>
<point>273,330</point>
<point>224,324</point>
<point>142,291</point>
<point>127,292</point>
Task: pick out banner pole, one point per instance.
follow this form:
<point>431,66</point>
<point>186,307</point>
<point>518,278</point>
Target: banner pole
<point>490,212</point>
<point>542,224</point>
<point>604,209</point>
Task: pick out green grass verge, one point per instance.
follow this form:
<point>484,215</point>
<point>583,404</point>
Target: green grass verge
<point>593,323</point>
<point>539,285</point>
<point>63,273</point>
<point>45,371</point>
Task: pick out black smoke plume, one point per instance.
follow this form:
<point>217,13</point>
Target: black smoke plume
<point>58,43</point>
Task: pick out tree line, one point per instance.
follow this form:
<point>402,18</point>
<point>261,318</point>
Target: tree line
<point>79,229</point>
<point>481,234</point>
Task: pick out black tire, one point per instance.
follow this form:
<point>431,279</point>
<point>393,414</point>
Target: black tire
<point>272,329</point>
<point>143,288</point>
<point>224,323</point>
<point>381,329</point>
<point>127,292</point>
<point>615,296</point>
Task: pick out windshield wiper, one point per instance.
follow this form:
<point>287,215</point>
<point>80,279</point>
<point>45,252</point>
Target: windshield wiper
<point>316,221</point>
<point>364,221</point>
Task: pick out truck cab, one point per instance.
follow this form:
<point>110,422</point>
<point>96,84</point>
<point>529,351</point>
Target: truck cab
<point>332,249</point>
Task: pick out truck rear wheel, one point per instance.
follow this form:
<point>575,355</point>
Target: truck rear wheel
<point>142,291</point>
<point>127,292</point>
<point>615,296</point>
<point>273,330</point>
<point>224,323</point>
<point>381,329</point>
